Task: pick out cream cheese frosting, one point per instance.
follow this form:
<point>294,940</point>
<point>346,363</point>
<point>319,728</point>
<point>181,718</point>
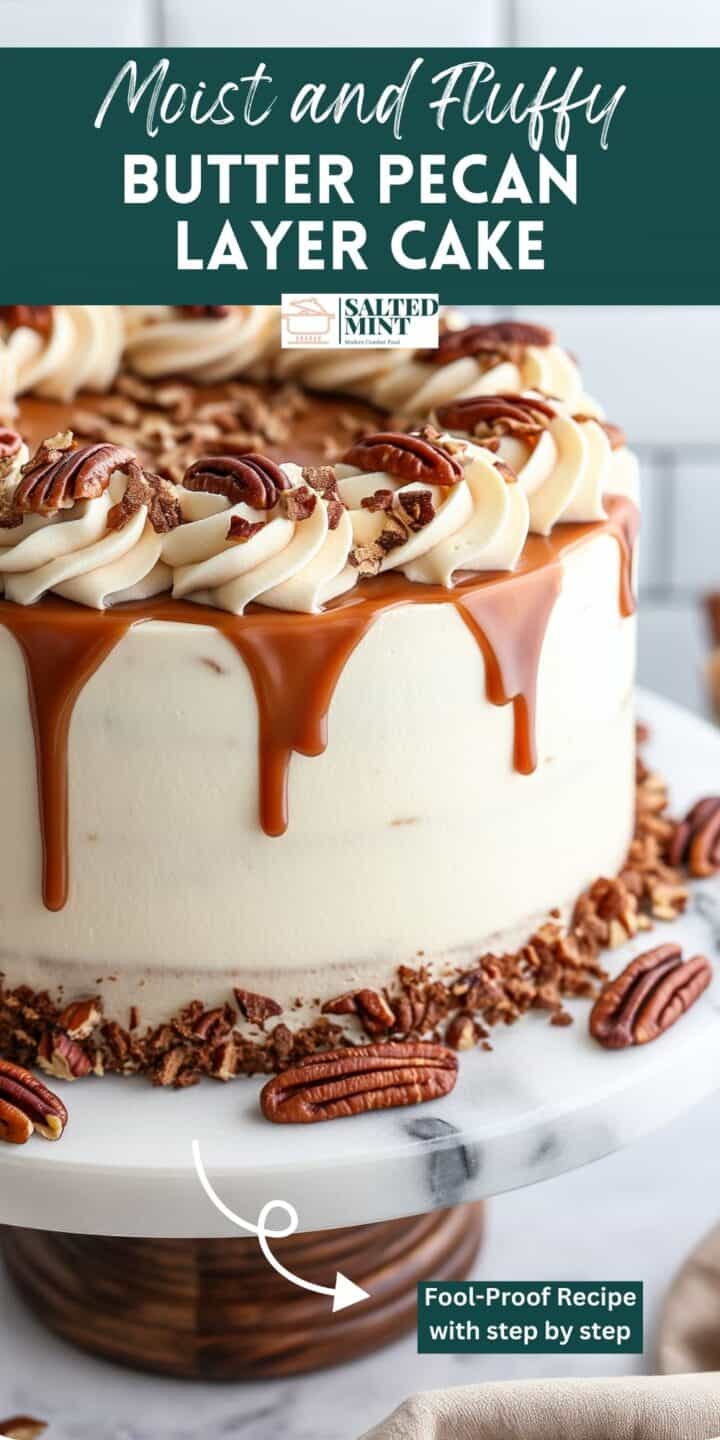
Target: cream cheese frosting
<point>217,344</point>
<point>564,462</point>
<point>97,551</point>
<point>70,348</point>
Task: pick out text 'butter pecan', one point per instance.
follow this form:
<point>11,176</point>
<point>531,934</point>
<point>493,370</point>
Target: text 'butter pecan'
<point>650,995</point>
<point>348,1082</point>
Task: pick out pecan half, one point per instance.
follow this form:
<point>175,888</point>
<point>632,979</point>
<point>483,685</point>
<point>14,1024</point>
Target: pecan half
<point>10,443</point>
<point>27,1105</point>
<point>34,317</point>
<point>696,841</point>
<point>153,491</point>
<point>487,417</point>
<point>354,1081</point>
<point>22,1427</point>
<point>406,457</point>
<point>503,340</point>
<point>58,475</point>
<point>253,479</point>
<point>652,992</point>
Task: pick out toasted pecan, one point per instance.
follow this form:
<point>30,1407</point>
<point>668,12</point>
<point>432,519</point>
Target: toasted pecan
<point>59,475</point>
<point>405,457</point>
<point>500,340</point>
<point>649,996</point>
<point>252,479</point>
<point>357,1080</point>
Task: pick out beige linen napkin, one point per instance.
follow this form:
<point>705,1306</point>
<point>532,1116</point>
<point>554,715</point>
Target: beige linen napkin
<point>679,1407</point>
<point>690,1325</point>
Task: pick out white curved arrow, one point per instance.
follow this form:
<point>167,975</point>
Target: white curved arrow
<point>344,1292</point>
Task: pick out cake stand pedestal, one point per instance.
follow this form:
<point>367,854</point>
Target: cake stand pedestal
<point>182,1292</point>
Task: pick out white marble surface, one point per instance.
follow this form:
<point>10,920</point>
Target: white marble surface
<point>634,1215</point>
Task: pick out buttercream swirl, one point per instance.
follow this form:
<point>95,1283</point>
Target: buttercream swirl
<point>471,359</point>
<point>96,552</point>
<point>163,340</point>
<point>80,349</point>
<point>565,463</point>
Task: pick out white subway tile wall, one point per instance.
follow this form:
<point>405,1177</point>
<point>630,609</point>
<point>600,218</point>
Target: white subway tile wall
<point>616,22</point>
<point>77,22</point>
<point>324,22</point>
<point>655,368</point>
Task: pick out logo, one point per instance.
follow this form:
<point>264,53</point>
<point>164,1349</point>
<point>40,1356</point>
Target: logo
<point>402,322</point>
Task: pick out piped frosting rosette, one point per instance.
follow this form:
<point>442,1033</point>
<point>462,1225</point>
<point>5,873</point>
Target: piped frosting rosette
<point>430,505</point>
<point>565,463</point>
<point>58,350</point>
<point>294,539</point>
<point>86,523</point>
<point>482,359</point>
<point>257,531</point>
<point>206,343</point>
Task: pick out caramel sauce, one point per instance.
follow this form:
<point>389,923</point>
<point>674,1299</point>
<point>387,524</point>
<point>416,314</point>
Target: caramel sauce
<point>295,662</point>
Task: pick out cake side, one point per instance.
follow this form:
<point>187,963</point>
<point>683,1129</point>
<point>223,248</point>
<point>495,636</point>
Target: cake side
<point>413,819</point>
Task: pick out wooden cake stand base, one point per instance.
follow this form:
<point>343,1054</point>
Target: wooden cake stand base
<point>214,1310</point>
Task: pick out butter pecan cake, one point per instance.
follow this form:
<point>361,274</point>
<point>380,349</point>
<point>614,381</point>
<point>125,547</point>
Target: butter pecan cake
<point>316,684</point>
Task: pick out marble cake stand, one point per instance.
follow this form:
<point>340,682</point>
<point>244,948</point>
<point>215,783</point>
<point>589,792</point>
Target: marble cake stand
<point>542,1102</point>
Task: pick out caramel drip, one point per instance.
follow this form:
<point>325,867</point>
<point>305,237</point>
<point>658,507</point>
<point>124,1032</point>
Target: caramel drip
<point>509,624</point>
<point>295,662</point>
<point>59,660</point>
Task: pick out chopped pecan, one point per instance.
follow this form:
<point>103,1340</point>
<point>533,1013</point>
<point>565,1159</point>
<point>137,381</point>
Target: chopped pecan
<point>214,1025</point>
<point>298,504</point>
<point>370,1006</point>
<point>652,992</point>
<point>241,530</point>
<point>462,1032</point>
<point>501,340</point>
<point>256,1008</point>
<point>250,478</point>
<point>153,491</point>
<point>34,317</point>
<point>367,558</point>
<point>488,417</point>
<point>353,1081</point>
<point>27,1105</point>
<point>416,508</point>
<point>59,475</point>
<point>406,457</point>
<point>323,479</point>
<point>62,1057</point>
<point>696,841</point>
<point>381,500</point>
<point>81,1017</point>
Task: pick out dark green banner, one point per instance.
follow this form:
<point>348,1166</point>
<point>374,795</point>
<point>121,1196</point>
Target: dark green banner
<point>589,1317</point>
<point>503,176</point>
